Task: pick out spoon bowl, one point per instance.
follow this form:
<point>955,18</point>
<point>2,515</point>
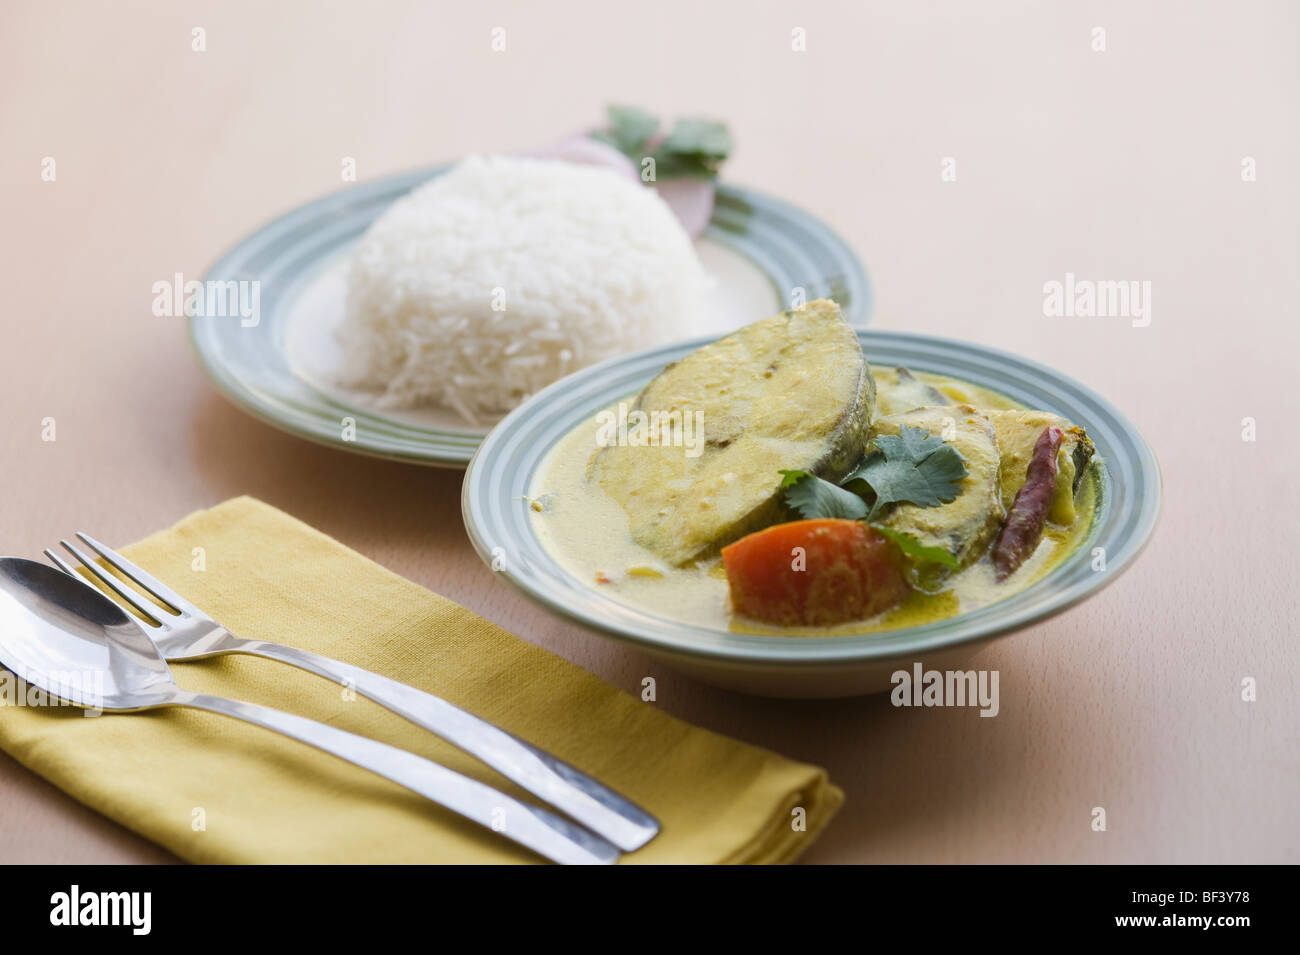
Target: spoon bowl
<point>63,636</point>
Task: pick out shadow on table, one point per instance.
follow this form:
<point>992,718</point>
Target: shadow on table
<point>358,499</point>
<point>927,784</point>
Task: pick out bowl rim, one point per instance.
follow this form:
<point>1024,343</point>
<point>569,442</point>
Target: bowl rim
<point>985,623</point>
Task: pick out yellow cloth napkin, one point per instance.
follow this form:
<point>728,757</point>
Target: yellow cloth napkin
<point>216,790</point>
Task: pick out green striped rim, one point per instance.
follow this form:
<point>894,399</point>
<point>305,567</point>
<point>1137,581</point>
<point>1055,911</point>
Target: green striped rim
<point>251,368</point>
<point>497,482</point>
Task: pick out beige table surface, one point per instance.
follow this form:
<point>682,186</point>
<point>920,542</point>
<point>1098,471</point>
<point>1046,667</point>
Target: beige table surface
<point>1124,164</point>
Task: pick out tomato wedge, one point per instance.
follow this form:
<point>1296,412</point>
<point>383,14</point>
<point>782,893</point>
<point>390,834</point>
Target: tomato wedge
<point>814,573</point>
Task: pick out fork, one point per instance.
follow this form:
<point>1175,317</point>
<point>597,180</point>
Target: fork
<point>187,633</point>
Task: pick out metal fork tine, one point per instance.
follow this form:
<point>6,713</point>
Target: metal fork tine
<point>151,585</point>
<point>154,617</point>
<point>63,565</point>
<point>71,571</point>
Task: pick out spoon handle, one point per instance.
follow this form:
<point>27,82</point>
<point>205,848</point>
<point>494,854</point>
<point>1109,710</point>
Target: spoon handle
<point>545,833</point>
<point>585,799</point>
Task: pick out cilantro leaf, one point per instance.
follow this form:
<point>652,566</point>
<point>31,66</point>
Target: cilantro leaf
<point>912,467</point>
<point>630,128</point>
<point>701,137</point>
<point>792,477</point>
<point>693,148</point>
<point>813,497</point>
<point>913,548</point>
<point>910,444</point>
<point>927,484</point>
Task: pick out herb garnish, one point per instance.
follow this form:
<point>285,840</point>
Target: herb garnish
<point>813,497</point>
<point>694,148</point>
<point>911,467</point>
<point>921,553</point>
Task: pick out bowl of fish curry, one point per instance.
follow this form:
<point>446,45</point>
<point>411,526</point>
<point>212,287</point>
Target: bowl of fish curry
<point>792,510</point>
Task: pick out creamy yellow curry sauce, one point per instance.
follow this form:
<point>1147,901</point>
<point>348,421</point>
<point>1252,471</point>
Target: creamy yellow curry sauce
<point>587,531</point>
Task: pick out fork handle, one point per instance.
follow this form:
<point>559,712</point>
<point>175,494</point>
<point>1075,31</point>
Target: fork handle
<point>585,799</point>
<point>543,832</point>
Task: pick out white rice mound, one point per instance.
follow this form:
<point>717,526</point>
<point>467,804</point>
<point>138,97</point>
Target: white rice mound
<point>581,262</point>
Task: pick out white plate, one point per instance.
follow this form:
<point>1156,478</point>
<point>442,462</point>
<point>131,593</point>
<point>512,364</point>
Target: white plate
<point>757,249</point>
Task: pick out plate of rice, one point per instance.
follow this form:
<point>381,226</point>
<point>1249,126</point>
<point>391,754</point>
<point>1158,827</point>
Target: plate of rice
<point>404,317</point>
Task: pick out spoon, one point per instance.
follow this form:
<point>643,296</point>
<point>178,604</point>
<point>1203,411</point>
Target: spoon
<point>65,637</point>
